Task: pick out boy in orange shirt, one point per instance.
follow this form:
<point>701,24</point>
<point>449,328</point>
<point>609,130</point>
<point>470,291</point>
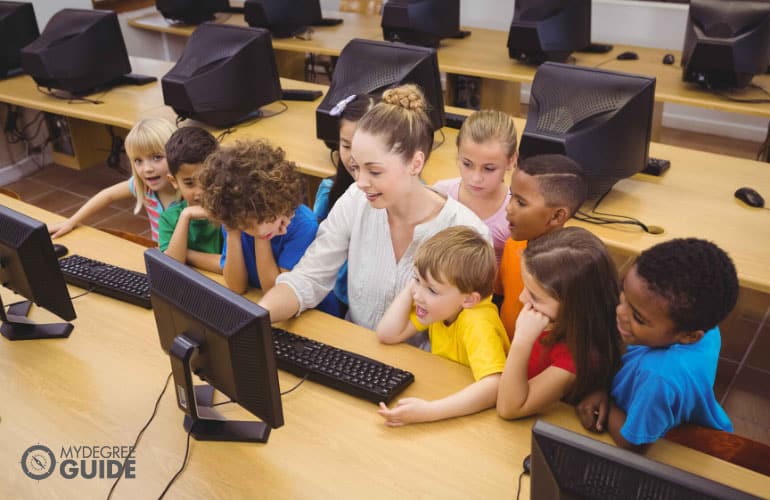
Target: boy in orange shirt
<point>546,190</point>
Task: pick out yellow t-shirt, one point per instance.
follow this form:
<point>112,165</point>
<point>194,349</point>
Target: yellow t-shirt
<point>476,339</point>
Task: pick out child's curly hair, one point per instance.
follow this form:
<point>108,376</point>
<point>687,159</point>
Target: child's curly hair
<point>250,182</point>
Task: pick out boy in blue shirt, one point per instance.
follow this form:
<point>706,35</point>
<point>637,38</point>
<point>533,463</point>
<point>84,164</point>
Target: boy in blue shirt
<point>672,300</point>
<point>255,192</point>
<point>184,231</point>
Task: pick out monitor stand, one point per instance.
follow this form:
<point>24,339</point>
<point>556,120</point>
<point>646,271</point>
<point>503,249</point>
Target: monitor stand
<point>204,423</point>
<point>14,324</point>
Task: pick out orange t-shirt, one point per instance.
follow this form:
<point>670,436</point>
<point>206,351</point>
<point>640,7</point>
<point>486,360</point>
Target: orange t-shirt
<point>509,284</point>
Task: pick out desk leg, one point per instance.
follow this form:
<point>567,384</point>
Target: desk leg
<point>290,64</point>
<point>502,95</point>
<point>657,121</point>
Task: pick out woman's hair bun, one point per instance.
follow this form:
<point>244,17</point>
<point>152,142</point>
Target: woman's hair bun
<point>406,96</point>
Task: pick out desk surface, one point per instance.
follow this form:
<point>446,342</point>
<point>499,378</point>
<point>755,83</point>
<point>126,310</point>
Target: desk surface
<point>98,388</point>
<point>485,54</point>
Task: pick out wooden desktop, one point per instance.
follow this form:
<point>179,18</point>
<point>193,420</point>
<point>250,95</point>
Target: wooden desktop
<point>98,388</point>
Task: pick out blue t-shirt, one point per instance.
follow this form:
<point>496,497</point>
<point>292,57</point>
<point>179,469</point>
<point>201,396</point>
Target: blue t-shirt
<point>321,209</point>
<point>660,388</point>
<point>287,248</point>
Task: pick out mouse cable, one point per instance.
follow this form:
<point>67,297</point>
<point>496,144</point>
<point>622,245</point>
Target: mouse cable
<point>749,100</point>
<point>605,62</point>
<point>81,294</point>
<point>70,99</point>
<point>441,142</point>
<point>181,468</point>
<point>764,149</point>
<point>608,218</point>
<point>518,488</point>
<point>139,437</point>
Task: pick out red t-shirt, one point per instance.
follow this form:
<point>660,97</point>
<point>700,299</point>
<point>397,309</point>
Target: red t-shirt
<point>543,356</point>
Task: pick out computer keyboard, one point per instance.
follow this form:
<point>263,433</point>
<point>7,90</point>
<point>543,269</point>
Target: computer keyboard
<point>113,281</point>
<point>345,371</point>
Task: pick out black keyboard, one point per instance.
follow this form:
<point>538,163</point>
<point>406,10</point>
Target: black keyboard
<point>113,281</point>
<point>345,371</point>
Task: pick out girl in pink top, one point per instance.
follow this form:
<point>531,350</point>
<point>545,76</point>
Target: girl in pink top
<point>486,150</point>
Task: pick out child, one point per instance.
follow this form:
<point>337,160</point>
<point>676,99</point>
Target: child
<point>255,192</point>
<point>146,148</point>
<point>350,110</point>
<point>673,298</point>
<point>566,342</point>
<point>450,296</point>
<point>486,149</point>
<point>546,191</point>
<point>184,232</point>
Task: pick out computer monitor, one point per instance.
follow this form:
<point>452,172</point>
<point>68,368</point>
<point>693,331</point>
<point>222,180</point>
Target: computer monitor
<point>193,11</point>
<point>726,43</point>
<point>549,30</point>
<point>29,267</point>
<point>223,338</point>
<point>226,73</point>
<point>420,22</point>
<point>79,51</point>
<point>18,27</point>
<point>371,67</point>
<point>601,119</point>
<point>568,465</point>
<point>284,18</point>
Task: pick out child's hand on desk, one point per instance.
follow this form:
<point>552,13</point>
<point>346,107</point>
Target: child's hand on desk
<point>61,229</point>
<point>593,411</point>
<point>406,411</point>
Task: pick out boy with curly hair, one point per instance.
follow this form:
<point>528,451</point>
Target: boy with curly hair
<point>671,302</point>
<point>255,192</point>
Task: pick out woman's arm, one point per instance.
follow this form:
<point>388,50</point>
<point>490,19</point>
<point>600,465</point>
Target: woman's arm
<point>98,202</point>
<point>281,302</point>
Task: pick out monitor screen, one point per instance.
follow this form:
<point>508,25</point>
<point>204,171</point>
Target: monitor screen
<point>226,73</point>
<point>79,51</point>
<point>420,22</point>
<point>726,43</point>
<point>568,465</point>
<point>284,18</point>
<point>18,27</point>
<point>221,337</point>
<point>29,267</point>
<point>549,30</point>
<point>601,119</point>
<point>371,67</point>
<point>191,11</point>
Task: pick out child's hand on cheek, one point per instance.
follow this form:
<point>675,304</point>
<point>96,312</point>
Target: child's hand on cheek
<point>197,212</point>
<point>529,325</point>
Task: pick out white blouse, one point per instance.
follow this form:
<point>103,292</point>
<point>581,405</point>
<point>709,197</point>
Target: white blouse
<point>356,231</point>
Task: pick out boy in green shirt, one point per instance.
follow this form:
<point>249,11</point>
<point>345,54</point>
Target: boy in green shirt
<point>184,230</point>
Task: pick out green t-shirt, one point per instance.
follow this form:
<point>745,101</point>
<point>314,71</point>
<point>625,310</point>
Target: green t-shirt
<point>202,235</point>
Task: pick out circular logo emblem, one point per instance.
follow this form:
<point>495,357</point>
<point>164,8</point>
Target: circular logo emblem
<point>38,462</point>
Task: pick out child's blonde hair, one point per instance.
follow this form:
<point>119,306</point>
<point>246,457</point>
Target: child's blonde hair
<point>490,124</point>
<point>458,256</point>
<point>147,137</point>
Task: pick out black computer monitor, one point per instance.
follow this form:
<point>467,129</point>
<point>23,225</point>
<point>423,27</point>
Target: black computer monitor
<point>601,119</point>
<point>226,73</point>
<point>79,51</point>
<point>726,43</point>
<point>370,67</point>
<point>18,27</point>
<point>567,465</point>
<point>284,18</point>
<point>223,338</point>
<point>549,30</point>
<point>420,22</point>
<point>29,267</point>
<point>193,11</point>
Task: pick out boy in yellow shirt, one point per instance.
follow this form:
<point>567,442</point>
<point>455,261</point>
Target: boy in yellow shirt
<point>451,297</point>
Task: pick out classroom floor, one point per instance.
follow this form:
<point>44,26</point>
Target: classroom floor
<point>743,388</point>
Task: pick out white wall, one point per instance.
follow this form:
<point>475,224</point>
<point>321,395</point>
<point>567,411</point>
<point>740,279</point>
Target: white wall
<point>44,9</point>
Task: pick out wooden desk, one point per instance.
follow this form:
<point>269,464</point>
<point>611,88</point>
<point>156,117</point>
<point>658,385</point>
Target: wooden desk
<point>98,387</point>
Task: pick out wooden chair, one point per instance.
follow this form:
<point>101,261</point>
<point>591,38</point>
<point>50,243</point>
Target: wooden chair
<point>726,446</point>
<point>141,240</point>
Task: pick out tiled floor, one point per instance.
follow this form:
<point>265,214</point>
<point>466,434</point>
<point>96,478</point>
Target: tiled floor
<point>745,396</point>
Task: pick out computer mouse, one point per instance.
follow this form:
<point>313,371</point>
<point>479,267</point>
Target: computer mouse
<point>628,56</point>
<point>750,197</point>
<point>59,250</point>
<point>527,464</point>
<point>668,59</point>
